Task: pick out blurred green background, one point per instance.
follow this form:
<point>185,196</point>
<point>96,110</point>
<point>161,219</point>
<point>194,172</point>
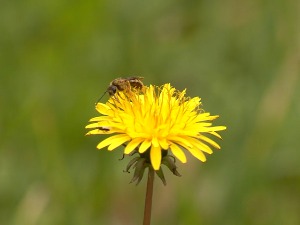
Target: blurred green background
<point>57,57</point>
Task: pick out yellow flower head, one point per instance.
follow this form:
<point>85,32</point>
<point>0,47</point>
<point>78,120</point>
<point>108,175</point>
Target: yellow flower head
<point>156,119</point>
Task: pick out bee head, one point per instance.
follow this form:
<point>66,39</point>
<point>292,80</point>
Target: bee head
<point>112,90</point>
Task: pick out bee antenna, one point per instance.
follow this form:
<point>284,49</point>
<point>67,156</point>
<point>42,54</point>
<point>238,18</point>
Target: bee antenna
<point>101,97</point>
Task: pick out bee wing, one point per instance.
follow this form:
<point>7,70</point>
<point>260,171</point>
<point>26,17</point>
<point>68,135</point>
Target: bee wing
<point>136,82</point>
<point>134,79</point>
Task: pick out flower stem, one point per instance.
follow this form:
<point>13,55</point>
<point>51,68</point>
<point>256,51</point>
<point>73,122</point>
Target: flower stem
<point>148,200</point>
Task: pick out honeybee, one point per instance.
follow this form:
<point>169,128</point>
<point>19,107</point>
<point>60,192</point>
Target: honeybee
<point>123,84</point>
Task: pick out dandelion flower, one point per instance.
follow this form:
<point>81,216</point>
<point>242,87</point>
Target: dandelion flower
<point>156,120</point>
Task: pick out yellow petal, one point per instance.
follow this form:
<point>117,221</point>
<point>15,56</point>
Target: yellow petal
<point>181,141</point>
<point>163,143</point>
<point>99,118</point>
<point>132,145</point>
<point>98,131</point>
<point>110,140</point>
<point>92,125</point>
<point>199,145</point>
<point>208,140</point>
<point>217,128</point>
<point>178,153</point>
<point>197,153</point>
<point>155,142</point>
<point>212,117</point>
<point>144,146</point>
<point>201,117</point>
<point>205,124</point>
<point>215,134</point>
<point>95,131</point>
<point>117,142</point>
<point>102,108</point>
<point>155,157</point>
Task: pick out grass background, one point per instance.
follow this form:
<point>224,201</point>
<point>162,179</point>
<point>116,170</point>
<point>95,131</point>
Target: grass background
<point>57,57</point>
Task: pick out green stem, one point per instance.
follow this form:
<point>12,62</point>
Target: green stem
<point>148,200</point>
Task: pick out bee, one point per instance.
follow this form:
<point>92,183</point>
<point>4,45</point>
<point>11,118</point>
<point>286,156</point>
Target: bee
<point>123,84</point>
